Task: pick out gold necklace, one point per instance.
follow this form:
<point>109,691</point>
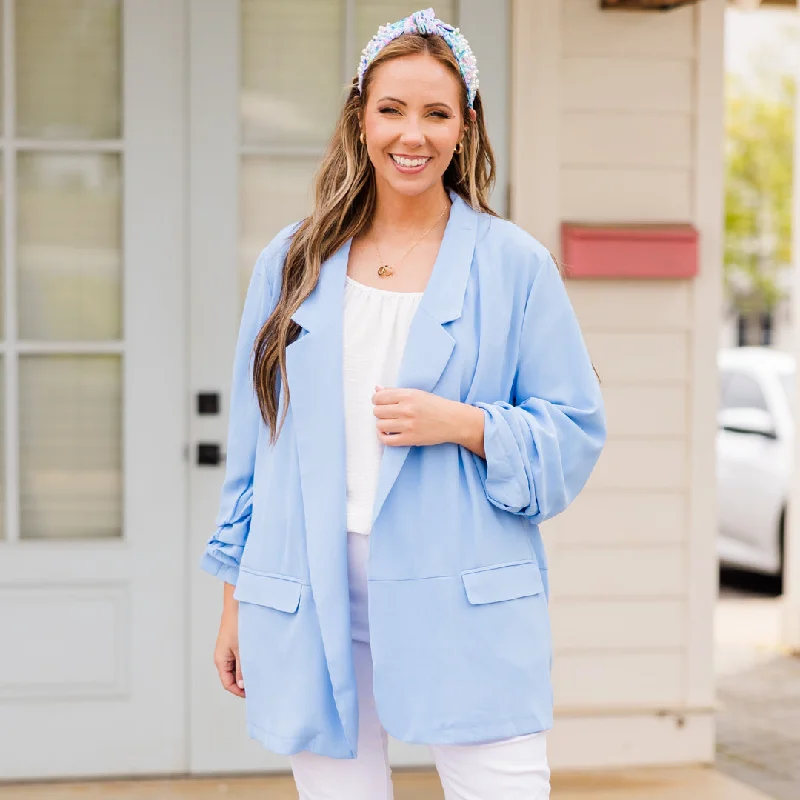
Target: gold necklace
<point>385,270</point>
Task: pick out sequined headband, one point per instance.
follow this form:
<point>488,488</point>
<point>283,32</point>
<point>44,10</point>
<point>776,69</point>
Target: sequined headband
<point>426,23</point>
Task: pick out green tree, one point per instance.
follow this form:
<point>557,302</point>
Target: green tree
<point>758,189</point>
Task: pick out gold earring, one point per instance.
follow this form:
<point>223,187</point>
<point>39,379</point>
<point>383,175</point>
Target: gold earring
<point>362,138</point>
<point>458,149</point>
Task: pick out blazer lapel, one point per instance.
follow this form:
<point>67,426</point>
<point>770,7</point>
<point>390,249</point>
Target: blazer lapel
<point>429,344</point>
<point>314,371</point>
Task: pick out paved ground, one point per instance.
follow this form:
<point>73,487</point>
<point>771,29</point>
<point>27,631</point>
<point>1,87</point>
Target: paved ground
<point>663,784</point>
<point>758,691</point>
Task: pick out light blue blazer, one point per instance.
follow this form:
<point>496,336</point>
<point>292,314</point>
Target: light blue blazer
<point>458,588</point>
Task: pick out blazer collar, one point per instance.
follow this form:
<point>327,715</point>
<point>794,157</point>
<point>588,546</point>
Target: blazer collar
<point>443,298</point>
<point>324,305</point>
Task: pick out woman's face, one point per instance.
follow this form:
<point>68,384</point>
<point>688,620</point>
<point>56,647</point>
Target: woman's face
<point>412,122</point>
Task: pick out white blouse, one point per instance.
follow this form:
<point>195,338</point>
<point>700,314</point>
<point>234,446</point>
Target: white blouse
<point>376,324</point>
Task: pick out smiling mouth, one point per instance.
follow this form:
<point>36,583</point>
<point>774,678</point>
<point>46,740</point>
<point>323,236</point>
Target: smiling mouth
<point>410,162</point>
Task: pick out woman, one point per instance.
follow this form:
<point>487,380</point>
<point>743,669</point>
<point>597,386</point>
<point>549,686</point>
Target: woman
<point>411,398</point>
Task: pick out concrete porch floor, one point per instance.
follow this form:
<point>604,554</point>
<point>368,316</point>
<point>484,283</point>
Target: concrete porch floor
<point>695,783</point>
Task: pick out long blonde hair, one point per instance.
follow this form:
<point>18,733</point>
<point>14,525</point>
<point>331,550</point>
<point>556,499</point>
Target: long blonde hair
<point>344,204</point>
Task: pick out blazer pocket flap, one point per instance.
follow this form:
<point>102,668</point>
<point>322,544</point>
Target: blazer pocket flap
<point>502,582</point>
<point>272,591</point>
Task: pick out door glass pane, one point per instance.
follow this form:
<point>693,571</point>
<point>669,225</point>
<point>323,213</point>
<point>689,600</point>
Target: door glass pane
<point>371,14</point>
<point>70,446</point>
<point>274,193</point>
<point>291,88</point>
<point>69,243</point>
<point>68,62</point>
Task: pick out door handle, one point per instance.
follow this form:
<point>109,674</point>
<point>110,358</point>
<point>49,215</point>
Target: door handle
<point>208,403</point>
<point>209,454</point>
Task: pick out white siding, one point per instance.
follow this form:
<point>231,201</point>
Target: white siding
<point>619,134</point>
<point>647,411</point>
<point>623,358</point>
<point>642,36</point>
<point>597,572</point>
<point>626,156</point>
<point>638,308</point>
<point>628,679</point>
<point>647,195</point>
<point>619,625</point>
<point>642,85</point>
<point>599,138</point>
<point>642,463</point>
<point>619,516</point>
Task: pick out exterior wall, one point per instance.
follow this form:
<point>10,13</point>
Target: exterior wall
<point>617,117</point>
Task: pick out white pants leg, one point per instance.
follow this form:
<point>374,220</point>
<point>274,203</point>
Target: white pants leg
<point>366,777</point>
<point>513,769</point>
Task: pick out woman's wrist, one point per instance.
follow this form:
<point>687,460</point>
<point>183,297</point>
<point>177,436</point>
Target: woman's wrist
<point>467,427</point>
<point>228,602</point>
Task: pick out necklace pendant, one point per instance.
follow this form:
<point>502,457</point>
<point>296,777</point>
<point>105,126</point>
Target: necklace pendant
<point>385,271</point>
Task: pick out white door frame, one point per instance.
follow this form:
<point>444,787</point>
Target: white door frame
<point>218,741</point>
<point>93,679</point>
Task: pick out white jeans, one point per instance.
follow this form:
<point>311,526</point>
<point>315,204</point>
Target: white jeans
<point>513,769</point>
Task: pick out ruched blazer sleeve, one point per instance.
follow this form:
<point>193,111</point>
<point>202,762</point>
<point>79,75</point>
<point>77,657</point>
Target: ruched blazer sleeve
<point>542,446</point>
<point>224,549</point>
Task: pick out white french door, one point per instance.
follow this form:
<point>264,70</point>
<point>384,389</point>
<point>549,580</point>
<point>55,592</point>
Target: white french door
<point>266,81</point>
<point>92,351</point>
<point>148,150</point>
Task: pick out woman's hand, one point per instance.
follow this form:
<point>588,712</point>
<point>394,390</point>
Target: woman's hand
<point>226,652</point>
<point>414,417</point>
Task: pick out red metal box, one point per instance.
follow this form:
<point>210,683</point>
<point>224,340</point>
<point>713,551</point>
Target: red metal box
<point>629,251</point>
